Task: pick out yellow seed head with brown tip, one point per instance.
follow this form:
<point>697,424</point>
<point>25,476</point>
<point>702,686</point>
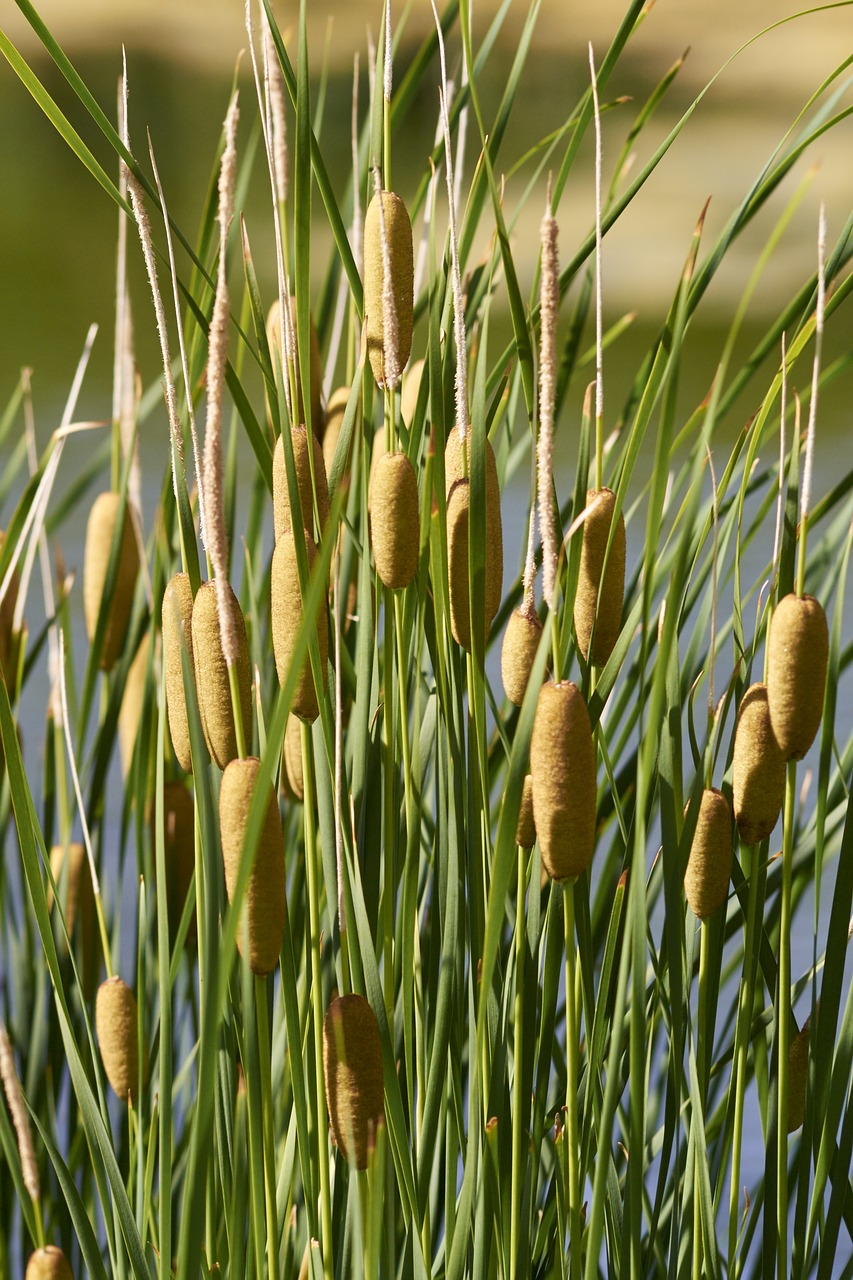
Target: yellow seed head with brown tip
<point>518,653</point>
<point>525,831</point>
<point>798,1078</point>
<point>78,904</point>
<point>177,617</point>
<point>394,520</point>
<point>292,780</point>
<point>398,230</point>
<point>262,917</point>
<point>116,1025</point>
<point>562,765</point>
<point>211,674</point>
<point>709,867</point>
<point>599,587</point>
<point>49,1263</point>
<point>286,619</point>
<point>335,411</point>
<point>131,705</point>
<point>99,537</point>
<point>315,364</point>
<point>798,653</point>
<point>758,769</point>
<point>352,1065</point>
<point>179,850</point>
<point>280,492</point>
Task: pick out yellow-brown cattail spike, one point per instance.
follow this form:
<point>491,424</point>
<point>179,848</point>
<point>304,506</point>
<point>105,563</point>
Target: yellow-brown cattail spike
<point>758,769</point>
<point>398,233</point>
<point>518,653</point>
<point>562,764</point>
<point>798,1078</point>
<point>293,783</point>
<point>598,601</point>
<point>99,537</point>
<point>131,705</point>
<point>177,615</point>
<point>211,673</point>
<point>262,915</point>
<point>411,390</point>
<point>286,619</point>
<point>394,520</point>
<point>179,851</point>
<point>335,410</point>
<point>525,831</point>
<point>709,867</point>
<point>78,904</point>
<point>798,652</point>
<point>281,494</point>
<point>352,1065</point>
<point>453,473</point>
<point>315,363</point>
<point>118,1037</point>
<point>49,1263</point>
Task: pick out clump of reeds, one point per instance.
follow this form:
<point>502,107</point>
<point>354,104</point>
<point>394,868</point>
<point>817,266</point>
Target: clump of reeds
<point>598,601</point>
<point>394,522</point>
<point>211,671</point>
<point>709,866</point>
<point>798,652</point>
<point>352,1065</point>
<point>49,1263</point>
<point>99,538</point>
<point>562,765</point>
<point>262,916</point>
<point>282,519</point>
<point>286,619</point>
<point>389,272</point>
<point>314,360</point>
<point>758,768</point>
<point>116,1023</point>
<point>177,616</point>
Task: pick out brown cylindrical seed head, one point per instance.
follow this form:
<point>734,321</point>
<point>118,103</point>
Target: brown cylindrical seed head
<point>177,616</point>
<point>798,1078</point>
<point>280,492</point>
<point>594,591</point>
<point>394,520</point>
<point>131,705</point>
<point>179,849</point>
<point>116,1025</point>
<point>315,363</point>
<point>562,764</point>
<point>494,526</point>
<point>758,768</point>
<point>518,653</point>
<point>709,867</point>
<point>49,1264</point>
<point>352,1065</point>
<point>798,652</point>
<point>525,832</point>
<point>99,537</point>
<point>262,916</point>
<point>398,230</point>
<point>78,904</point>
<point>410,392</point>
<point>286,619</point>
<point>335,410</point>
<point>211,674</point>
<point>292,781</point>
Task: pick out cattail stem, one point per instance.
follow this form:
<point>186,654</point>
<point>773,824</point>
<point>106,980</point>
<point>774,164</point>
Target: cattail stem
<point>806,493</point>
<point>390,841</point>
<point>518,1162</point>
<point>264,1051</point>
<point>387,77</point>
<point>237,710</point>
<point>783,1015</point>
<point>599,344</point>
<point>570,1136</point>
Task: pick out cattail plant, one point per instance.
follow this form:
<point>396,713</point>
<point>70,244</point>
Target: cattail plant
<point>78,905</point>
<point>286,619</point>
<point>598,601</point>
<point>525,831</point>
<point>132,703</point>
<point>394,522</point>
<point>99,538</point>
<point>282,519</point>
<point>179,849</point>
<point>523,631</point>
<point>8,641</point>
<point>411,390</point>
<point>292,780</point>
<point>335,410</point>
<point>262,918</point>
<point>352,1064</point>
<point>116,1024</point>
<point>278,349</point>
<point>798,653</point>
<point>562,765</point>
<point>177,617</point>
<point>211,670</point>
<point>758,769</point>
<point>49,1263</point>
<point>458,493</point>
<point>709,866</point>
<point>389,273</point>
<point>21,1122</point>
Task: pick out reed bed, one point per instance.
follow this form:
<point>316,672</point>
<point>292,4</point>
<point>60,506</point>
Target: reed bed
<point>366,908</point>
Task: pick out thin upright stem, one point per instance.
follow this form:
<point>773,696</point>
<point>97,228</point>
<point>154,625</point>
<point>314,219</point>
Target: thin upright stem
<point>518,1161</point>
<point>572,1046</point>
<point>784,1017</point>
<point>262,1014</point>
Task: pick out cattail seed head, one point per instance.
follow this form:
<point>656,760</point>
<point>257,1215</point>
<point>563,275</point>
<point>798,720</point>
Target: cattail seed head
<point>518,653</point>
<point>335,410</point>
<point>263,910</point>
<point>292,780</point>
<point>798,1078</point>
<point>709,867</point>
<point>798,653</point>
<point>177,615</point>
<point>78,904</point>
<point>286,619</point>
<point>410,392</point>
<point>398,233</point>
<point>99,537</point>
<point>352,1065</point>
<point>211,672</point>
<point>562,764</point>
<point>116,1025</point>
<point>131,705</point>
<point>280,492</point>
<point>597,592</point>
<point>49,1263</point>
<point>315,362</point>
<point>453,473</point>
<point>758,769</point>
<point>394,520</point>
<point>525,831</point>
<point>20,1115</point>
<point>179,850</point>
